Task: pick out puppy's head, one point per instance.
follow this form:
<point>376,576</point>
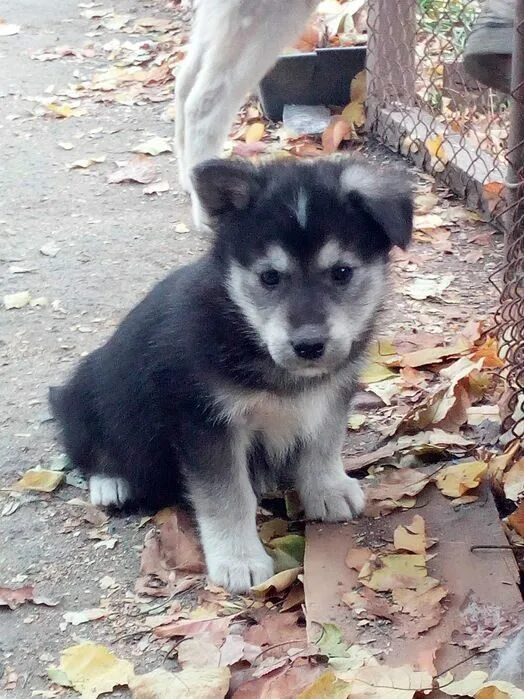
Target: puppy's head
<point>304,247</point>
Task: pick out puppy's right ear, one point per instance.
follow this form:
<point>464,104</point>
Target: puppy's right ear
<point>223,186</point>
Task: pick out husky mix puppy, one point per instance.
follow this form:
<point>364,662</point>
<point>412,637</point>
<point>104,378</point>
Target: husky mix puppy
<point>236,372</point>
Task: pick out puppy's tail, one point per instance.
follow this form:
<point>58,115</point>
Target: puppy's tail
<point>76,419</point>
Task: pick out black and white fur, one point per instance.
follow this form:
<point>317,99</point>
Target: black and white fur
<point>237,371</point>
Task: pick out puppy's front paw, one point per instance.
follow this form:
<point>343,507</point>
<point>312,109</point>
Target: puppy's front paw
<point>108,491</point>
<point>338,500</point>
<point>238,573</point>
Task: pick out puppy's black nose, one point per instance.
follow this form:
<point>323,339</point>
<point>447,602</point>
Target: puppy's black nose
<point>309,349</point>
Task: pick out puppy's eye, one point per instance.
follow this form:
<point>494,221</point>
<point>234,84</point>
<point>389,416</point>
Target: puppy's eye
<point>271,277</point>
<point>341,275</point>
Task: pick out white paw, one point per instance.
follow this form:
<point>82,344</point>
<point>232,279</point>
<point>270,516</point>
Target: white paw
<point>238,573</point>
<point>106,491</point>
<point>338,500</point>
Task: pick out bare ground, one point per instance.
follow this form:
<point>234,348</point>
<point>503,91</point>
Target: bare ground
<point>114,243</point>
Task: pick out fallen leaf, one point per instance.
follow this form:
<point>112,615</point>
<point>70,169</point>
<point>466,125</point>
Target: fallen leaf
<point>457,479</point>
<point>422,601</point>
<point>293,545</point>
<point>49,249</point>
<point>180,544</point>
<point>13,597</point>
<point>294,599</point>
<point>7,29</point>
<point>139,169</point>
<point>41,480</point>
<point>254,132</point>
<point>356,421</point>
<point>93,669</point>
<point>384,573</point>
<point>491,692</point>
<point>200,651</point>
<point>232,650</point>
<point>62,111</point>
<point>382,682</point>
<point>154,146</point>
<point>272,529</point>
<point>397,483</point>
<point>431,355</point>
<point>426,287</point>
<point>17,300</point>
<point>276,632</point>
<point>197,683</point>
<point>514,481</point>
<point>65,145</point>
<point>357,556</point>
<point>277,583</point>
<point>516,520</point>
<point>331,642</point>
<point>327,686</point>
<point>435,147</point>
<point>282,683</point>
<point>375,372</point>
<point>424,203</point>
<point>411,537</point>
<point>466,687</point>
<point>354,113</point>
<point>358,88</point>
<point>484,627</point>
<point>369,605</point>
<point>488,351</point>
<point>181,228</point>
<point>217,627</point>
<point>156,187</point>
<point>84,163</point>
<point>81,617</point>
<point>337,130</point>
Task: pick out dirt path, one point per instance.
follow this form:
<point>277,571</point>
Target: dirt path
<point>108,244</point>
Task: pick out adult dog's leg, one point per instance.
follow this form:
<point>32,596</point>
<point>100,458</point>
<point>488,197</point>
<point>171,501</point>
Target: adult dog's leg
<point>238,43</point>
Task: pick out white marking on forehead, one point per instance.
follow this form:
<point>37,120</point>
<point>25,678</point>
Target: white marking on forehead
<point>276,258</point>
<point>301,207</point>
<point>332,253</point>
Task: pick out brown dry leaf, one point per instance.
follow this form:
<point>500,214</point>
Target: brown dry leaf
<point>139,169</point>
<point>384,573</point>
<point>179,543</point>
<point>516,520</point>
<point>489,352</point>
<point>294,599</point>
<point>276,583</point>
<point>432,355</point>
<point>216,627</point>
<point>282,683</point>
<point>497,465</point>
<point>491,692</point>
<point>200,651</point>
<point>357,556</point>
<point>254,132</point>
<point>514,481</point>
<point>354,113</point>
<point>457,479</point>
<point>337,130</point>
<point>484,627</point>
<point>13,597</point>
<point>369,605</point>
<point>232,650</point>
<point>275,629</point>
<point>86,162</point>
<point>41,480</point>
<point>156,187</point>
<point>396,484</point>
<point>424,203</point>
<point>412,537</point>
<point>477,685</point>
<point>154,146</point>
<point>85,615</point>
<point>419,602</point>
<point>197,683</point>
<point>93,669</point>
<point>383,682</point>
<point>273,528</point>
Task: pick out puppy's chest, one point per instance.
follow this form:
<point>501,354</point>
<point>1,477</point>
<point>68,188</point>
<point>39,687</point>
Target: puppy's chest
<point>278,422</point>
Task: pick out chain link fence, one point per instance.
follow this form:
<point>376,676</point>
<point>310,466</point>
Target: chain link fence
<point>423,103</point>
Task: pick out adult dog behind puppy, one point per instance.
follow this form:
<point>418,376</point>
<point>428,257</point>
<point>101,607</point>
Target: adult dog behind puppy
<point>236,372</point>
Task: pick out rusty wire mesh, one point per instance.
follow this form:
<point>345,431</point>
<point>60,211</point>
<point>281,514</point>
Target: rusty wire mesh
<point>422,103</point>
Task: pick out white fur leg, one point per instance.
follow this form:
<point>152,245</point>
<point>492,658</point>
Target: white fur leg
<point>337,498</point>
<point>106,491</point>
<point>235,560</point>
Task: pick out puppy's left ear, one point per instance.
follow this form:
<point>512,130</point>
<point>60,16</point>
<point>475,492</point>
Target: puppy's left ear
<point>386,196</point>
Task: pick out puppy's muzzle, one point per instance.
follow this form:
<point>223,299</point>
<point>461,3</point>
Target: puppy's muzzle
<point>309,343</point>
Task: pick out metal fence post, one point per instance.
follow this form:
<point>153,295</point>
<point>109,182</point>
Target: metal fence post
<point>391,60</point>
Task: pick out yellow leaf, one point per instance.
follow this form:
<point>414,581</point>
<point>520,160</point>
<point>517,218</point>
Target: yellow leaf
<point>359,87</point>
<point>435,146</point>
<point>514,481</point>
<point>491,692</point>
<point>17,300</point>
<point>375,372</point>
<point>327,686</point>
<point>396,570</point>
<point>93,669</point>
<point>277,583</point>
<point>194,683</point>
<point>466,687</point>
<point>63,111</point>
<point>40,479</point>
<point>354,114</point>
<point>356,421</point>
<point>457,479</point>
<point>411,537</point>
<point>254,132</point>
<point>383,682</point>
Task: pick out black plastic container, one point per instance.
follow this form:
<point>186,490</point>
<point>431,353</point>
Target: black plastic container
<point>321,77</point>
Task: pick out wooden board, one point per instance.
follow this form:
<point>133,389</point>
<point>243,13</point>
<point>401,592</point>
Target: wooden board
<point>491,574</point>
